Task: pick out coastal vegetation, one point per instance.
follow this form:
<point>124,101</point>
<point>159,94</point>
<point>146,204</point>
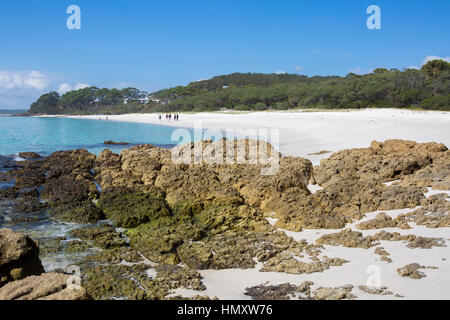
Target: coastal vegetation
<point>425,88</point>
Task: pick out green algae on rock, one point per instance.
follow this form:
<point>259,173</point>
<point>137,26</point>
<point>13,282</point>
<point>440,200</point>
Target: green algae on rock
<point>132,282</point>
<point>158,239</point>
<point>103,236</point>
<point>129,209</point>
<point>83,212</point>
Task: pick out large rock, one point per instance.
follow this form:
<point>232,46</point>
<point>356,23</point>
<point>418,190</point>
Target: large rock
<point>29,155</point>
<point>70,188</point>
<point>65,179</point>
<point>49,286</point>
<point>342,202</point>
<point>354,184</point>
<point>210,181</point>
<point>19,257</point>
<point>381,162</point>
<point>74,163</point>
<point>31,175</point>
<point>436,175</point>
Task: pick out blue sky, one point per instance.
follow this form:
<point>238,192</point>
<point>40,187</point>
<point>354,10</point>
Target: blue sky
<point>157,44</point>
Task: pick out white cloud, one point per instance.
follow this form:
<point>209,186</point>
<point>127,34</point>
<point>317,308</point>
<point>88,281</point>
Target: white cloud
<point>280,72</point>
<point>81,85</point>
<point>18,89</point>
<point>65,87</point>
<point>16,80</point>
<point>431,57</point>
<point>298,68</point>
<point>356,70</point>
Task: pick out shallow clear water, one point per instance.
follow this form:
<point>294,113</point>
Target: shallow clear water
<point>46,135</point>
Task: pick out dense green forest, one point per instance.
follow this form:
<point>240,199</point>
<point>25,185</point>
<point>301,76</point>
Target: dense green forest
<point>427,88</point>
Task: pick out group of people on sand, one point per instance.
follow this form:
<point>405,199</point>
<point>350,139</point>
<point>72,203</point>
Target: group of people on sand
<point>176,117</point>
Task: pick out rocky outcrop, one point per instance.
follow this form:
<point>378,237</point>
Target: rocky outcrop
<point>284,291</point>
<point>433,213</point>
<point>353,182</point>
<point>343,202</point>
<point>69,186</point>
<point>381,162</point>
<point>29,155</point>
<point>382,220</point>
<point>210,184</point>
<point>48,286</point>
<point>355,239</point>
<point>436,175</point>
<point>347,238</point>
<point>103,236</point>
<point>64,180</point>
<point>114,143</point>
<point>289,263</point>
<point>201,214</point>
<point>29,204</point>
<point>190,206</point>
<point>133,282</point>
<point>8,163</point>
<point>183,214</point>
<point>19,257</point>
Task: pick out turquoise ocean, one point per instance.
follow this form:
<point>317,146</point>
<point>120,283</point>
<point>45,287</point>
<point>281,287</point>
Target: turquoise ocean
<point>46,135</point>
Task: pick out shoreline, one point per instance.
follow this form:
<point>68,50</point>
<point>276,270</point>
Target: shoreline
<point>303,133</point>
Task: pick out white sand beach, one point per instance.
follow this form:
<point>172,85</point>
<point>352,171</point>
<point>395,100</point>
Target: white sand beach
<point>304,133</point>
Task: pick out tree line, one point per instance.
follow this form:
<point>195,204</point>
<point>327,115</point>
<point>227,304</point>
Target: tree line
<point>85,100</point>
<point>425,88</point>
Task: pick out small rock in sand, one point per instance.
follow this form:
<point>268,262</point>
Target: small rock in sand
<point>339,293</point>
<point>375,290</point>
<point>412,271</point>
